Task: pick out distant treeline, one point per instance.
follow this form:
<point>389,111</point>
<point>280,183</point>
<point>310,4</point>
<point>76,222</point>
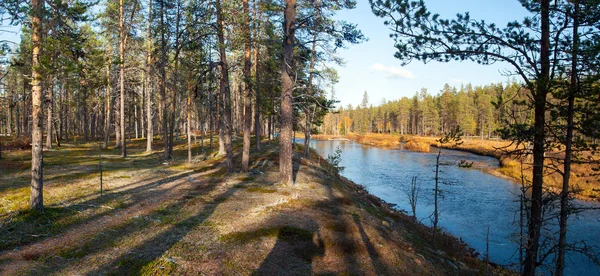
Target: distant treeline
<point>478,110</point>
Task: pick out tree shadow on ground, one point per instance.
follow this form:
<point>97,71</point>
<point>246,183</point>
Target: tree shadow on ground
<point>154,248</point>
<point>107,238</point>
<point>59,218</point>
<point>294,252</point>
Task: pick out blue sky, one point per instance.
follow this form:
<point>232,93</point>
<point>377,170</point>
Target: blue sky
<point>371,66</point>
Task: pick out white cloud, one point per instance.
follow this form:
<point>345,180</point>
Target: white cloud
<point>392,71</point>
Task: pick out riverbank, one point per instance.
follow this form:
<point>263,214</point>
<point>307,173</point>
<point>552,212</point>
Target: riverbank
<point>588,185</point>
<point>179,218</point>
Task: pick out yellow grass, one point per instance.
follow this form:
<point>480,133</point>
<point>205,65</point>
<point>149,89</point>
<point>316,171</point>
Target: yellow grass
<point>417,146</point>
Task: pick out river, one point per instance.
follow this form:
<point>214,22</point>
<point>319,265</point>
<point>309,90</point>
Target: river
<point>472,199</point>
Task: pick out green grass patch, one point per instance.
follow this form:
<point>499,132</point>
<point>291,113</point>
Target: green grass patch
<point>28,226</point>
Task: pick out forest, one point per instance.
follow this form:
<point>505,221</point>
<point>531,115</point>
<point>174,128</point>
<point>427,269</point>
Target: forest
<point>479,111</point>
<point>124,70</point>
<point>216,90</point>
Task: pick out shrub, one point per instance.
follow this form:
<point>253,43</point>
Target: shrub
<point>417,146</point>
<point>335,160</point>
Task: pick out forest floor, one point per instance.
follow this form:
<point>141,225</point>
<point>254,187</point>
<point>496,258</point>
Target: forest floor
<point>194,219</point>
<point>583,176</point>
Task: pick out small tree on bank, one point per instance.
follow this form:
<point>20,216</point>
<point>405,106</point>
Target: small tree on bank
<point>453,138</point>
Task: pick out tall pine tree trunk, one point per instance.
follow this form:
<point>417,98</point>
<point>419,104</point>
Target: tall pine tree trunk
<point>147,82</point>
<point>49,100</point>
<point>308,126</point>
<point>162,80</point>
<point>225,92</point>
<point>122,77</point>
<point>287,85</point>
<point>257,128</point>
<point>108,118</point>
<point>564,195</point>
<point>540,97</point>
<point>247,89</point>
<point>189,121</point>
<point>36,201</point>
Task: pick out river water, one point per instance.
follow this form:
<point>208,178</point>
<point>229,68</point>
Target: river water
<point>472,199</point>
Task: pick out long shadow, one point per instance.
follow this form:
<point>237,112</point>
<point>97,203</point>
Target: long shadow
<point>64,170</point>
<point>137,197</point>
<point>157,246</point>
<point>106,238</point>
<point>124,189</point>
<point>380,267</point>
<point>340,229</point>
<point>293,253</point>
<point>76,164</point>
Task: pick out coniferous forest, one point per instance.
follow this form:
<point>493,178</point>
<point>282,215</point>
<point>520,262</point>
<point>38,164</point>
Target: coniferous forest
<point>159,137</point>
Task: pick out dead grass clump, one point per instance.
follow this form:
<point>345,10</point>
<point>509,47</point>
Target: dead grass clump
<point>413,145</point>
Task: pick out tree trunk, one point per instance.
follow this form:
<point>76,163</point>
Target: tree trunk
<point>313,51</point>
<point>189,121</point>
<point>37,160</point>
<point>122,77</point>
<point>436,191</point>
<point>135,120</point>
<point>163,77</point>
<point>225,91</point>
<point>175,83</point>
<point>541,92</point>
<point>257,129</point>
<point>108,118</point>
<point>210,115</point>
<point>147,82</point>
<point>564,195</point>
<point>247,89</point>
<point>49,99</point>
<point>287,85</point>
<point>117,111</point>
<point>85,121</point>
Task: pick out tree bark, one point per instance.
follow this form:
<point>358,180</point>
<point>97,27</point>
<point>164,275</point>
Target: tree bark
<point>225,91</point>
<point>36,201</point>
<point>307,128</point>
<point>247,89</point>
<point>108,118</point>
<point>147,81</point>
<point>163,76</point>
<point>49,95</point>
<point>564,195</point>
<point>287,85</point>
<point>189,121</point>
<point>540,97</point>
<point>122,77</point>
<point>257,128</point>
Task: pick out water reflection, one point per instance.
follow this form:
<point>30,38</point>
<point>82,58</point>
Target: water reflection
<point>472,202</point>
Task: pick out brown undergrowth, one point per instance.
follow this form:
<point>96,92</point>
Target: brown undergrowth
<point>583,178</point>
<point>192,219</point>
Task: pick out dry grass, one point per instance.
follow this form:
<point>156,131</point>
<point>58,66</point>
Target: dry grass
<point>417,146</point>
<point>182,219</point>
